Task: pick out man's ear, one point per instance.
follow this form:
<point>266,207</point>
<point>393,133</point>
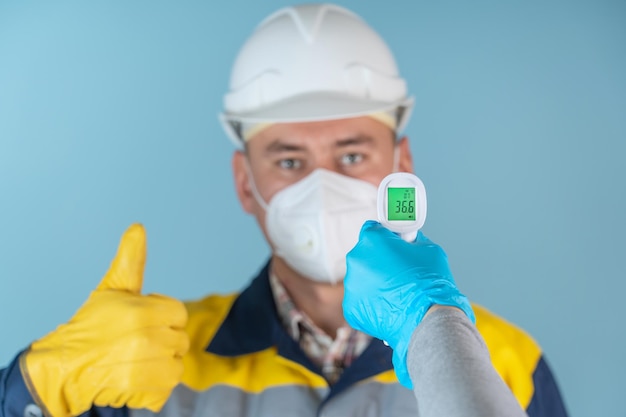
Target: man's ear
<point>405,159</point>
<point>241,176</point>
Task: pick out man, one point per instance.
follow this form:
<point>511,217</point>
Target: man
<point>315,107</point>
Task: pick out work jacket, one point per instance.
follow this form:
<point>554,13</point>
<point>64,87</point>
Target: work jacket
<point>242,363</point>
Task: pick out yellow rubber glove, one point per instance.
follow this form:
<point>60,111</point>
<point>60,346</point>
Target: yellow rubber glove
<point>120,348</point>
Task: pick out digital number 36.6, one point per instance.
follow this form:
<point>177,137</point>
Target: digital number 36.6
<point>405,206</point>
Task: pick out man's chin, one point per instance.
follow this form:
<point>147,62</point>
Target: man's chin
<point>285,272</point>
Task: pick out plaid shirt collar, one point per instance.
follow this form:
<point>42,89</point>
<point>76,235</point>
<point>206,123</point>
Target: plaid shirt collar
<point>333,356</point>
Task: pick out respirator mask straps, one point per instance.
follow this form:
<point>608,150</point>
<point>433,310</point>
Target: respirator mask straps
<point>255,191</point>
<point>396,157</point>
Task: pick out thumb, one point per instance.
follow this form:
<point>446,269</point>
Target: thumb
<point>126,270</point>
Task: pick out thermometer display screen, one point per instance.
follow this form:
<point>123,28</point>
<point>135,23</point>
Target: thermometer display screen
<point>401,203</point>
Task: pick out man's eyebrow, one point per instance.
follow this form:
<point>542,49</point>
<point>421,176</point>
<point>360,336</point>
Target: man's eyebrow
<point>361,139</point>
<point>278,146</point>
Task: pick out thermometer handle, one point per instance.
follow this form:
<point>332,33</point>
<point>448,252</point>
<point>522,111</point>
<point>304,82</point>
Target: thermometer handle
<point>409,236</point>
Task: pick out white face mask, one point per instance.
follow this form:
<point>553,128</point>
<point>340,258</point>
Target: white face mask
<point>315,222</point>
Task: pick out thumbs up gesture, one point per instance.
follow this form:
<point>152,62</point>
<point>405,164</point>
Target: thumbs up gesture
<point>120,348</point>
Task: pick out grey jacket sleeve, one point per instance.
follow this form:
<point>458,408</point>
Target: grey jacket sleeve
<point>451,370</point>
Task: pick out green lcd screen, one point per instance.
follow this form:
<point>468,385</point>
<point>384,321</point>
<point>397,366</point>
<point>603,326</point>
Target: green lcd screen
<point>401,203</point>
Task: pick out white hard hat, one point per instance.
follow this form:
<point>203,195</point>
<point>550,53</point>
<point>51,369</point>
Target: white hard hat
<point>312,62</point>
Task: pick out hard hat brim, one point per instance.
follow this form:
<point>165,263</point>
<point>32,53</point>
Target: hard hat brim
<point>310,107</point>
<point>315,107</point>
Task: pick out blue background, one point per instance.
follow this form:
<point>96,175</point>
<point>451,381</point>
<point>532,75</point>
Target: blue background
<point>108,116</point>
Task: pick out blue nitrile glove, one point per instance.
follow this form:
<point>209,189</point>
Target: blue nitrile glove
<point>390,284</point>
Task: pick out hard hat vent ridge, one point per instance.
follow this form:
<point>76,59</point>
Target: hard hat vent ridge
<point>307,17</point>
<point>308,20</point>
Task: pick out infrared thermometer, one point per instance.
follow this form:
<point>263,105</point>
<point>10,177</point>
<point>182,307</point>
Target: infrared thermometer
<point>402,204</point>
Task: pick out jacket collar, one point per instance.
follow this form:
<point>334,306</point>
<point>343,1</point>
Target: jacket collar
<point>253,325</point>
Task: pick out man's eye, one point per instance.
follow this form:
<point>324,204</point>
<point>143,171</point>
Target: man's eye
<point>289,164</point>
<point>351,158</point>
